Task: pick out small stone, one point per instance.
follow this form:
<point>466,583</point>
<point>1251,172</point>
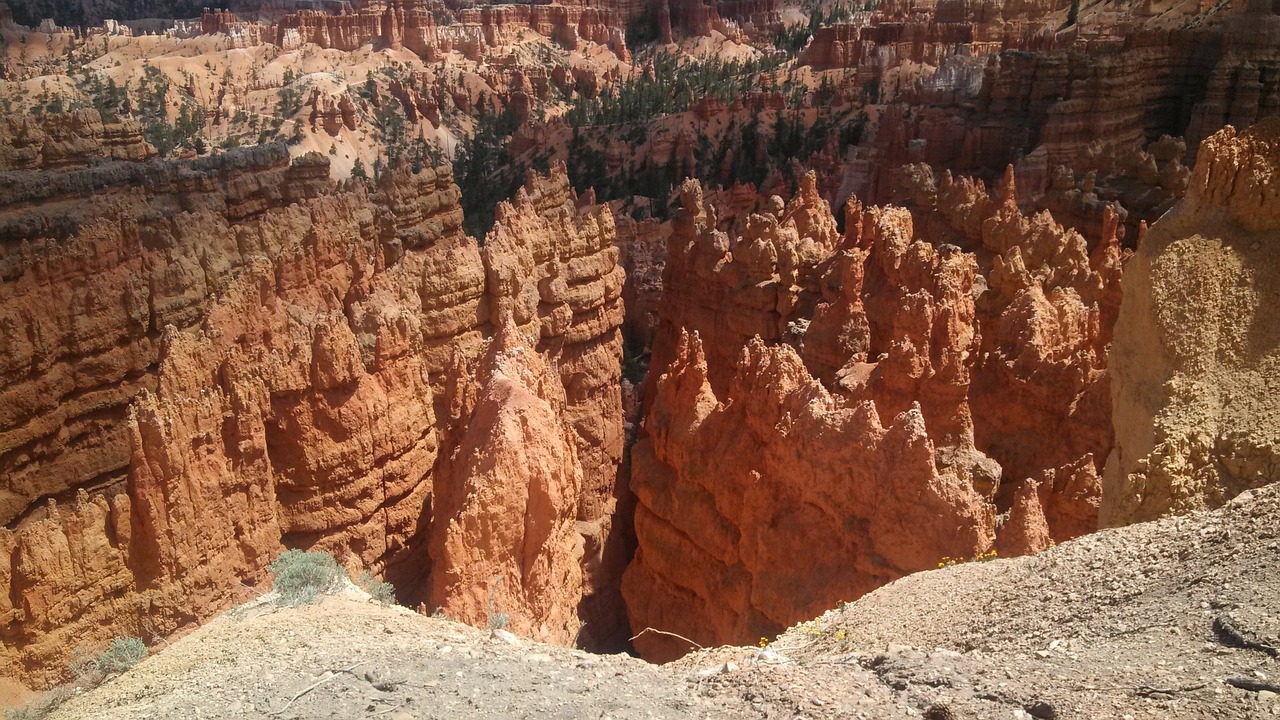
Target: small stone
<point>1042,710</point>
<point>1042,653</point>
<point>502,636</point>
<point>771,657</point>
<point>1266,695</point>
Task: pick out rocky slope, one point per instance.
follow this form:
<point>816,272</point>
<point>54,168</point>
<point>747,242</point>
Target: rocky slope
<point>207,360</point>
<point>1128,623</point>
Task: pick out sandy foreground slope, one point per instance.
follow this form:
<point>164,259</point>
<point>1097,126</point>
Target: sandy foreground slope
<point>1147,621</point>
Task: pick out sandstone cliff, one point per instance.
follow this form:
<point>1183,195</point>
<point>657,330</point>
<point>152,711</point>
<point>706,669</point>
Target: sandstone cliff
<point>204,362</point>
<point>1194,360</point>
<point>967,88</point>
<point>68,140</point>
<point>412,26</point>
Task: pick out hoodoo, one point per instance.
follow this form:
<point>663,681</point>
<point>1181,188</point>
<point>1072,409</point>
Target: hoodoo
<point>643,327</point>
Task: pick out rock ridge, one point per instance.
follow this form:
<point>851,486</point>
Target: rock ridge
<point>215,359</point>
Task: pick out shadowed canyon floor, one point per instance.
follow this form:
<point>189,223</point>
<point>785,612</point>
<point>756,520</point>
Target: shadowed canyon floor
<point>1126,623</point>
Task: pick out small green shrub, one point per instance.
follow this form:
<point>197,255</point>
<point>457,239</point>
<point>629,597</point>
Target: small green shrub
<point>301,576</point>
<point>383,592</point>
<point>84,667</point>
<point>122,654</point>
<point>497,620</point>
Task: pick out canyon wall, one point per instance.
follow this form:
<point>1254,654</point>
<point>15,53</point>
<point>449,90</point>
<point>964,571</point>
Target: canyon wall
<point>68,140</point>
<point>1196,352</point>
<point>735,19</point>
<point>207,361</point>
<point>414,27</point>
<point>971,93</point>
<point>827,412</point>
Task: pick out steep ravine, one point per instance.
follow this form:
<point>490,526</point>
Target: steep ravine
<point>207,361</point>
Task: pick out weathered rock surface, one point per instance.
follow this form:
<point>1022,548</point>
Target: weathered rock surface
<point>68,140</point>
<point>973,88</point>
<point>827,413</point>
<point>1194,361</point>
<point>1129,609</point>
<point>509,547</point>
<point>204,362</point>
<point>411,25</point>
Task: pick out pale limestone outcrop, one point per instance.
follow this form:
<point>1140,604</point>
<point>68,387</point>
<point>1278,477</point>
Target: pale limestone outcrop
<point>1195,355</point>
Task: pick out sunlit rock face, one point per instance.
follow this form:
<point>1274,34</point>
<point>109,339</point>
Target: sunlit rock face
<point>827,412</point>
<point>207,361</point>
<point>1195,347</point>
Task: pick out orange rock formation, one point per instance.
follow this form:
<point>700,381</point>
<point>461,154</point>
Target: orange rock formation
<point>206,361</point>
<point>412,26</point>
<point>971,88</point>
<point>68,140</point>
<point>829,412</point>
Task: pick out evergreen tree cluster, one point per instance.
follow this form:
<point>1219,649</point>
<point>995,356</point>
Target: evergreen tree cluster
<point>673,87</point>
<point>792,39</point>
<point>151,109</point>
<point>483,167</point>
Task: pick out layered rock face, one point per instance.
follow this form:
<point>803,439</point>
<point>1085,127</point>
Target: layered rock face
<point>207,361</point>
<point>735,19</point>
<point>552,275</point>
<point>412,26</point>
<point>829,412</point>
<point>68,140</point>
<point>1195,357</point>
<point>510,545</point>
<point>972,88</point>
